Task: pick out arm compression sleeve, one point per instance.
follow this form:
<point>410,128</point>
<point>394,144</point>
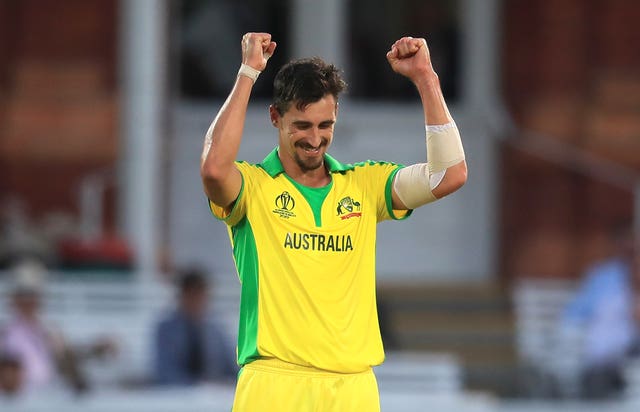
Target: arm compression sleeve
<point>414,184</point>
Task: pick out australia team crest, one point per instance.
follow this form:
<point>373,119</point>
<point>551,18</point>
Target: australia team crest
<point>348,208</point>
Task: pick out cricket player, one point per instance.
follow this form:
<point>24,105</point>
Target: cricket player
<point>303,229</point>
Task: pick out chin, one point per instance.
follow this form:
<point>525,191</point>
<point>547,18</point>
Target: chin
<point>310,163</point>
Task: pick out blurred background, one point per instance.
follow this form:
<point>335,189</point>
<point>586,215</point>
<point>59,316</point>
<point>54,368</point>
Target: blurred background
<point>517,293</point>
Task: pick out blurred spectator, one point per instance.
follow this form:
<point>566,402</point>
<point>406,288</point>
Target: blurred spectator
<point>11,375</point>
<point>189,348</point>
<point>603,313</point>
<point>20,237</point>
<point>40,348</point>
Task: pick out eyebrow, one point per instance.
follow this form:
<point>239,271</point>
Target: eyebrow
<point>308,123</point>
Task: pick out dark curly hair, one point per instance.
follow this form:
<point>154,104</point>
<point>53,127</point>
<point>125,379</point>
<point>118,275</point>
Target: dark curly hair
<point>305,81</point>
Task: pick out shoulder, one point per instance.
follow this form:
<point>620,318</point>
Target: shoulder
<point>375,166</point>
<point>607,270</point>
<point>12,328</point>
<point>169,319</point>
<point>610,265</point>
<point>5,329</point>
<point>335,166</point>
<point>374,172</point>
<point>375,163</point>
<point>252,171</point>
<point>247,167</point>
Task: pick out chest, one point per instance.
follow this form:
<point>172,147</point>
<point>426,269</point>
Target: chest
<point>343,206</point>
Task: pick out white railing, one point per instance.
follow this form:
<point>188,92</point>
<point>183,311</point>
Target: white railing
<point>549,356</point>
<point>127,312</point>
<point>421,373</point>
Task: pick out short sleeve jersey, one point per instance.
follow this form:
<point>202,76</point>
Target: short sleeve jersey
<point>306,261</point>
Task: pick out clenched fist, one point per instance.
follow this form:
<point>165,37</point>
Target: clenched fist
<point>256,49</point>
<point>410,57</point>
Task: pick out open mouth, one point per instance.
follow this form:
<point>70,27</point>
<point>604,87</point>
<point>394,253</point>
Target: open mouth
<point>309,149</point>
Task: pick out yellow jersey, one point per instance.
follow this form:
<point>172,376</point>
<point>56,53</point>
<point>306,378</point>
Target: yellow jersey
<point>306,261</point>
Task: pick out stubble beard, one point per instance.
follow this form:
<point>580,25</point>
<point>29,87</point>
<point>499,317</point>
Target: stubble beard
<point>309,165</point>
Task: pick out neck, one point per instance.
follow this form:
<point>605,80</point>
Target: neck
<point>312,178</point>
<point>31,319</point>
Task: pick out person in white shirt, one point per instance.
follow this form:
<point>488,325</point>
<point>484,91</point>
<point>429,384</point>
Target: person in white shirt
<point>45,358</point>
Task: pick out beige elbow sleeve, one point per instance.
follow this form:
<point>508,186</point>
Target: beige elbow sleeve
<point>414,184</point>
<point>444,146</point>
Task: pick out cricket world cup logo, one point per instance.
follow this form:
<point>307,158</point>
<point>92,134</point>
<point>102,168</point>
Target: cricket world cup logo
<point>285,201</point>
<point>284,205</point>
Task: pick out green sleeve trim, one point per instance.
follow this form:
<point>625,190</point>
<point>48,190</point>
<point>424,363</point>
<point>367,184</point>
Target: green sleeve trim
<point>389,198</point>
<point>245,254</point>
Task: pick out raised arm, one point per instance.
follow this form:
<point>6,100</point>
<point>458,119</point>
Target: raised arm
<point>220,177</point>
<point>446,170</point>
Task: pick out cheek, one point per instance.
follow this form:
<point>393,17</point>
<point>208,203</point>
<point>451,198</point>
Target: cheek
<point>294,135</point>
<point>288,139</point>
<point>328,134</point>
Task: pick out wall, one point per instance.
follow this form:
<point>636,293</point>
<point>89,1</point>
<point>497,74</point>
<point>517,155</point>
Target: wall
<point>571,72</point>
<point>57,98</point>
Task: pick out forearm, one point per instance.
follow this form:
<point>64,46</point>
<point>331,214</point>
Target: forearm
<point>223,138</point>
<point>446,171</point>
<point>433,103</point>
<point>222,142</point>
<point>221,179</point>
<point>444,145</point>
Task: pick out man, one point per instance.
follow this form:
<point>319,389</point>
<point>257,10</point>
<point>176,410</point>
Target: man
<point>189,348</point>
<point>302,226</point>
<point>603,312</point>
<point>44,354</point>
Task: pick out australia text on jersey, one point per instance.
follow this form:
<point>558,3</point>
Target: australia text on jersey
<point>319,242</point>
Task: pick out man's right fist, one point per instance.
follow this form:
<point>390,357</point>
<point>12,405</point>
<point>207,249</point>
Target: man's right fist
<point>256,49</point>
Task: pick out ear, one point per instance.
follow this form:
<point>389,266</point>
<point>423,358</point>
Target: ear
<point>274,116</point>
<point>337,107</point>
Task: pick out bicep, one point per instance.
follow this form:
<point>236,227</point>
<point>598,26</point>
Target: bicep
<point>417,185</point>
<point>396,201</point>
<point>224,191</point>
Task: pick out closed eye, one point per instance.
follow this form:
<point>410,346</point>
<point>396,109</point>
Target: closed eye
<point>302,125</point>
<point>326,125</point>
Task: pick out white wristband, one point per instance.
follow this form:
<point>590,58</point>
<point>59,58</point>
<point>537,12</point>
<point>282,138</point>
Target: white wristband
<point>249,71</point>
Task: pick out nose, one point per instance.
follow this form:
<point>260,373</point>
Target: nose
<point>315,137</point>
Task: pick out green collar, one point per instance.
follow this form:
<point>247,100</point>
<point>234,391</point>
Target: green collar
<point>272,165</point>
